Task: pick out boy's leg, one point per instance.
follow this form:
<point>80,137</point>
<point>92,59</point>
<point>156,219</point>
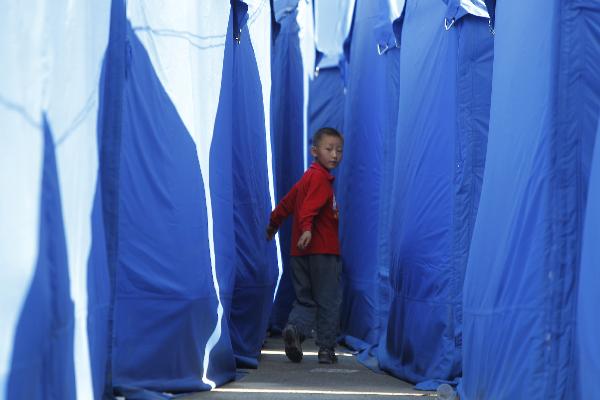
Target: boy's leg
<point>304,310</point>
<point>325,274</point>
<point>302,316</point>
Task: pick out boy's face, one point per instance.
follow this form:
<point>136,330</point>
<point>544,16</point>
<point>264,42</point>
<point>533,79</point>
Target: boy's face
<point>328,152</point>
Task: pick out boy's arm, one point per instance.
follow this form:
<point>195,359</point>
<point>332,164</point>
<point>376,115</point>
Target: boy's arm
<point>316,197</point>
<point>283,209</point>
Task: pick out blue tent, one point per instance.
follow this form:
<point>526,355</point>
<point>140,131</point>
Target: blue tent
<point>440,153</point>
<point>587,321</point>
<point>143,147</point>
<point>371,111</point>
<point>151,198</point>
<point>289,75</point>
<point>522,280</point>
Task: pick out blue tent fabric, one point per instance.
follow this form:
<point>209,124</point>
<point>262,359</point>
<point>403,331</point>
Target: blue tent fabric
<point>109,129</point>
<point>162,225</point>
<point>256,267</point>
<point>388,39</point>
<point>42,358</point>
<point>282,8</point>
<point>99,300</point>
<point>221,153</point>
<point>326,101</point>
<point>327,88</point>
<point>491,7</point>
<point>522,278</point>
<point>474,86</point>
<point>440,148</point>
<point>287,127</point>
<point>459,8</point>
<point>587,303</point>
<point>369,127</point>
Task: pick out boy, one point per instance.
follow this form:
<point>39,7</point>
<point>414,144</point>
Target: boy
<point>315,260</point>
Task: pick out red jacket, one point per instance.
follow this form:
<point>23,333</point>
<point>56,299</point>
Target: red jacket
<point>312,202</point>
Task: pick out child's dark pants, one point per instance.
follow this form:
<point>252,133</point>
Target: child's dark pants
<point>316,281</point>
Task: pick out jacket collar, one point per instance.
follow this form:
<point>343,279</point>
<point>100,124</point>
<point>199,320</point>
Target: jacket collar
<point>318,167</point>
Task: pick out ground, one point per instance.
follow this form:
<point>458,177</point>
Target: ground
<point>277,378</point>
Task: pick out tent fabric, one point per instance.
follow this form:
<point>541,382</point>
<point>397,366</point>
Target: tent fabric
<point>387,25</point>
<point>459,8</point>
<point>109,144</point>
<point>521,285</point>
<point>143,146</point>
<point>258,269</point>
<point>588,349</point>
<point>326,101</point>
<point>43,344</point>
<point>282,8</point>
<point>53,317</point>
<point>333,21</point>
<point>491,7</point>
<point>160,226</point>
<point>288,125</point>
<point>222,271</point>
<point>440,148</point>
<point>133,183</point>
<point>370,122</point>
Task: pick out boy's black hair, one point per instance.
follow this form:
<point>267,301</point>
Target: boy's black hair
<point>326,131</point>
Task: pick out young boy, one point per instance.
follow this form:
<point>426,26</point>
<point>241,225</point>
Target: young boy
<point>315,260</point>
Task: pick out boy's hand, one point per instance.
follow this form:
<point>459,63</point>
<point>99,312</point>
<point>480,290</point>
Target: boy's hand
<point>271,231</point>
<point>304,240</point>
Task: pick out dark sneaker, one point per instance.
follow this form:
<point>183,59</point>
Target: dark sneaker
<point>293,343</point>
<point>327,356</point>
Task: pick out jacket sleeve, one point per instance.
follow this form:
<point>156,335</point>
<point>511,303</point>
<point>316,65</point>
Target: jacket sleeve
<point>319,190</point>
<point>284,208</point>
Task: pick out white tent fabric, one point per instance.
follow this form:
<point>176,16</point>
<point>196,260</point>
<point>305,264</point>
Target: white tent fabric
<point>307,48</point>
<point>53,56</point>
<point>333,20</point>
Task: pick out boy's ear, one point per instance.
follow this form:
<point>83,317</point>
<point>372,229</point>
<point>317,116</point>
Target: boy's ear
<point>313,151</point>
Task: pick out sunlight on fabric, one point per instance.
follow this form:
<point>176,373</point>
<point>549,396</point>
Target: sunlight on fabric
<point>306,353</point>
<point>475,7</point>
<point>261,39</point>
<point>306,35</point>
<point>73,95</point>
<point>326,392</point>
<point>396,8</point>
